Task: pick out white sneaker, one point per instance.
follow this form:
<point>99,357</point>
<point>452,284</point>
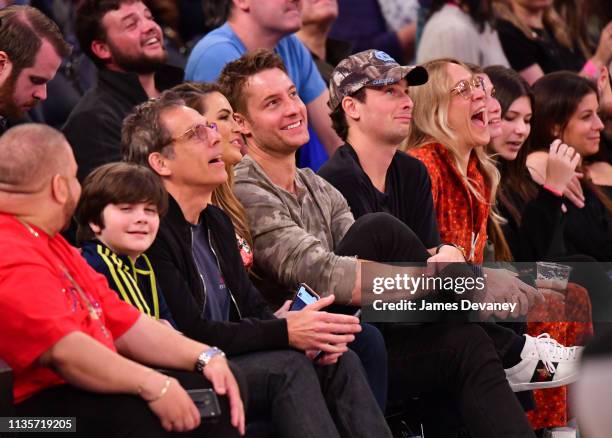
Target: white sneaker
<point>545,364</point>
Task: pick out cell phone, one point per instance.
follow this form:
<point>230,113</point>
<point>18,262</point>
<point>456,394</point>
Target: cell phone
<point>206,401</point>
<point>304,296</point>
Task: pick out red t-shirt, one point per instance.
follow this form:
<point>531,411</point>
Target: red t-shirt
<point>39,304</point>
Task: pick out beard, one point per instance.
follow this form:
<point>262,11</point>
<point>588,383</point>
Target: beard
<point>139,65</point>
<point>8,108</point>
<point>69,209</point>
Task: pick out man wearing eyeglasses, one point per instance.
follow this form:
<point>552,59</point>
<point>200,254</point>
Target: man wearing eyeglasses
<point>126,44</point>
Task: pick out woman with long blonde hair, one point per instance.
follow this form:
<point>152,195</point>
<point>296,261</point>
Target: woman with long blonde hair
<point>449,131</point>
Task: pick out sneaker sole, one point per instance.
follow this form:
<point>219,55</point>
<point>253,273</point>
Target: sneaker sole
<point>518,387</point>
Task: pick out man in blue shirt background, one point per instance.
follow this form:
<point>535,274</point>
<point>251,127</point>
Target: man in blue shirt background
<point>270,24</point>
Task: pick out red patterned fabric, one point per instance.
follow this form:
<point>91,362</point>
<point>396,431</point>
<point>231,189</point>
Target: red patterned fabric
<point>462,217</point>
<point>552,404</point>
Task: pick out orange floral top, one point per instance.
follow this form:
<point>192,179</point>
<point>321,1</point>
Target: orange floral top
<point>462,217</point>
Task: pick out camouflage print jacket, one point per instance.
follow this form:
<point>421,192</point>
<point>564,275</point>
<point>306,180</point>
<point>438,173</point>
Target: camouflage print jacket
<point>295,235</point>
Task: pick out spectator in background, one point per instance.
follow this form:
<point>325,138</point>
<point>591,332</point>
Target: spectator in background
<point>362,24</point>
<point>461,30</point>
<point>31,51</point>
<point>537,41</point>
<point>399,13</point>
<point>317,19</point>
<point>270,24</point>
<point>77,73</point>
<point>123,40</point>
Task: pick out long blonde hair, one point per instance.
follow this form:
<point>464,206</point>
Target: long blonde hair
<point>430,124</point>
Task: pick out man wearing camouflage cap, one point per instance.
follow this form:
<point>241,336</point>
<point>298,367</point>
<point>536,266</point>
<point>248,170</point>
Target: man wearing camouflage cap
<point>372,112</point>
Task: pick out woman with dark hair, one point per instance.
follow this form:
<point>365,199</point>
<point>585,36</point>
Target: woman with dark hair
<point>533,212</point>
<point>534,225</point>
<point>566,107</point>
<point>463,30</point>
<point>537,41</point>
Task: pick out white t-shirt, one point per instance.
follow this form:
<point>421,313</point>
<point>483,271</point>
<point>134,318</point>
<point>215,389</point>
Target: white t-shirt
<point>450,32</point>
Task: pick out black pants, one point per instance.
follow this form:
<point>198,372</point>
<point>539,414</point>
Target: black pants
<point>381,237</point>
<point>459,365</point>
<point>120,415</point>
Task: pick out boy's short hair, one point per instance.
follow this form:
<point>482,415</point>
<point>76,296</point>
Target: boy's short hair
<point>117,183</point>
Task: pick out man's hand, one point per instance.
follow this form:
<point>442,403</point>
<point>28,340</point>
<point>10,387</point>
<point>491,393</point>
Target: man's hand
<point>326,359</point>
<point>503,286</point>
<point>446,254</point>
<point>224,383</point>
<point>175,409</point>
<point>312,329</point>
<point>282,311</point>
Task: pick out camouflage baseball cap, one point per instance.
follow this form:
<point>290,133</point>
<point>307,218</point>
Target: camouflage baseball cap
<point>369,68</point>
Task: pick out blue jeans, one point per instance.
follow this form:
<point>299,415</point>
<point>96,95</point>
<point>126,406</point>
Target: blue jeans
<point>369,345</point>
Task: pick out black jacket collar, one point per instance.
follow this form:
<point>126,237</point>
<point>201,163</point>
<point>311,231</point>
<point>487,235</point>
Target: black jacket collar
<point>128,86</point>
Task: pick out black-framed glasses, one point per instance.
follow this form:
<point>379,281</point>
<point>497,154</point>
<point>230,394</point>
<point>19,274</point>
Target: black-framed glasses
<point>199,131</point>
<point>466,87</point>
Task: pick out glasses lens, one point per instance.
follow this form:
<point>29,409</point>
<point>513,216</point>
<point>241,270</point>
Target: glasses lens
<point>212,127</point>
<point>201,133</point>
<point>464,89</point>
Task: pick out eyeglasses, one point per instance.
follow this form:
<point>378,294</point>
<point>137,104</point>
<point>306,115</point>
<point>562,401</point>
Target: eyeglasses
<point>199,131</point>
<point>466,87</point>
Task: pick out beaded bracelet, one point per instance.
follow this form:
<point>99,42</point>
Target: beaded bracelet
<point>163,391</point>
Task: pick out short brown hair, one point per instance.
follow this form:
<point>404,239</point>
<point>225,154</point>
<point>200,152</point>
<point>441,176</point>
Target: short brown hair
<point>338,117</point>
<point>22,31</point>
<point>117,183</point>
<point>192,92</point>
<point>143,132</point>
<point>235,75</point>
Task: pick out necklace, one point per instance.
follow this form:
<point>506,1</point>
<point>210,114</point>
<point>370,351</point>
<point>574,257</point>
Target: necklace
<point>93,307</point>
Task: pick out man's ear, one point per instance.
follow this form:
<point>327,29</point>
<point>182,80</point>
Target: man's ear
<point>59,189</point>
<point>243,123</point>
<point>350,107</point>
<point>101,50</point>
<point>243,5</point>
<point>6,67</point>
<point>159,164</point>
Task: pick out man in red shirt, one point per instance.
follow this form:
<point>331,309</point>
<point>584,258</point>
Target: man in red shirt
<point>65,334</point>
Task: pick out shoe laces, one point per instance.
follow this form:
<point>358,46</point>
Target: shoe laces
<point>550,350</point>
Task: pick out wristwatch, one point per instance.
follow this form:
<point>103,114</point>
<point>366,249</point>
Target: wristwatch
<point>206,357</point>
